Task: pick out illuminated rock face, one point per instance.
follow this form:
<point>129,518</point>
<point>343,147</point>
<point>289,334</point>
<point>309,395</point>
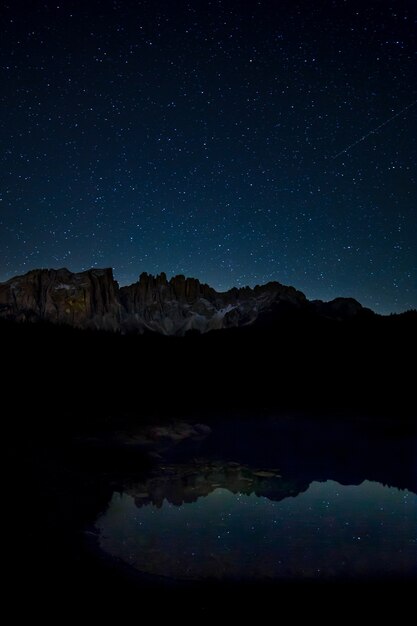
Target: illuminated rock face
<point>87,299</point>
<point>93,299</point>
<point>182,304</point>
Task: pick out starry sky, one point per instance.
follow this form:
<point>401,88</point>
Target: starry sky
<point>236,141</point>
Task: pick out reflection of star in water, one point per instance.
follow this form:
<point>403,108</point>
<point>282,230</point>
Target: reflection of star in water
<point>374,130</point>
<point>328,530</point>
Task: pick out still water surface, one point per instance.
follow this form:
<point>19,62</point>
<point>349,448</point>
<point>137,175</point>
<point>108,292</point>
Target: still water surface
<point>226,521</point>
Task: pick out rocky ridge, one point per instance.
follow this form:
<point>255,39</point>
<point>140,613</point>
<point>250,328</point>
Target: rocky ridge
<point>93,299</point>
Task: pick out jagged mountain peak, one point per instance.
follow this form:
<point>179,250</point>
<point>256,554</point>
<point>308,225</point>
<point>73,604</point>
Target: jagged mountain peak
<point>93,299</point>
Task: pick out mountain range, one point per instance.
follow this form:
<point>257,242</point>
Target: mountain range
<point>93,299</point>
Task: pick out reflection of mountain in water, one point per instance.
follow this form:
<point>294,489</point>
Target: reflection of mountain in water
<point>278,458</point>
<point>345,450</point>
<point>186,483</point>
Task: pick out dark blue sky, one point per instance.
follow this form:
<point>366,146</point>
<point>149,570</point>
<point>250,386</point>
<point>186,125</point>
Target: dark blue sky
<point>200,138</point>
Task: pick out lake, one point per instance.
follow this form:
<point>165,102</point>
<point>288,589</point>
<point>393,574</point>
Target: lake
<point>277,500</point>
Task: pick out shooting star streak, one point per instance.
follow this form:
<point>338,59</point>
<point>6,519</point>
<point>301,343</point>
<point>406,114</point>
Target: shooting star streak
<point>373,131</point>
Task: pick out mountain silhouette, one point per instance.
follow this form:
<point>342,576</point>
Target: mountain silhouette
<point>93,299</point>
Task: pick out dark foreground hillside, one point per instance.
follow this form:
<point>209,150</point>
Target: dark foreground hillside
<point>295,363</point>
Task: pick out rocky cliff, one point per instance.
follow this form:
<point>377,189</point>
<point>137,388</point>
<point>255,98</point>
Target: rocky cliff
<point>89,299</point>
<point>93,299</point>
<point>182,304</point>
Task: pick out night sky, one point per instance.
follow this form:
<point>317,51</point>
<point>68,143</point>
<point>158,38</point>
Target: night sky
<point>234,141</point>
